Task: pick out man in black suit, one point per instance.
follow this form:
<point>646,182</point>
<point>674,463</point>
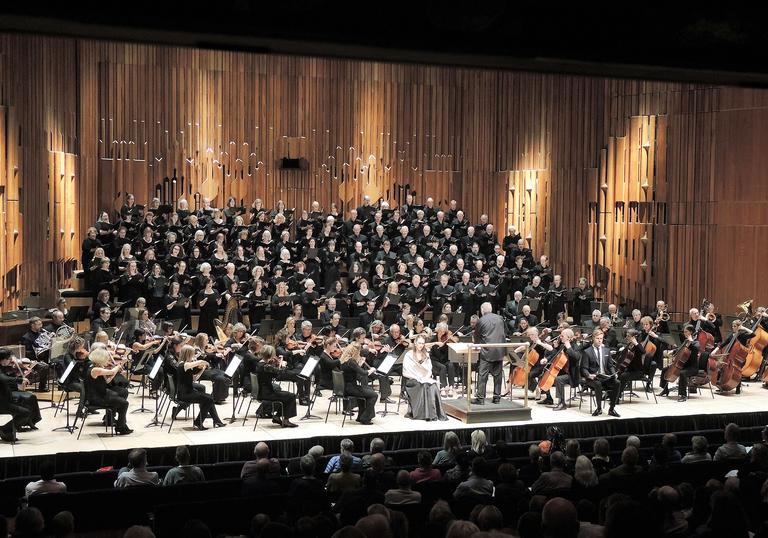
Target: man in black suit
<point>489,330</point>
<point>599,373</point>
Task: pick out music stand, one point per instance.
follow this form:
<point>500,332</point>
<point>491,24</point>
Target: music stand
<point>383,371</point>
<point>61,381</point>
<point>152,375</point>
<point>75,314</point>
<point>141,364</point>
<point>308,373</point>
<point>230,372</point>
<point>533,303</point>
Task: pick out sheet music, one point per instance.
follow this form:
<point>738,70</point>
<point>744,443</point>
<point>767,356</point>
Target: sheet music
<point>309,367</point>
<point>65,375</point>
<point>156,368</point>
<point>233,365</point>
<point>387,364</point>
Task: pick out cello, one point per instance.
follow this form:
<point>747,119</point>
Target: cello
<point>518,377</point>
<point>681,356</point>
<point>556,365</point>
<point>628,356</point>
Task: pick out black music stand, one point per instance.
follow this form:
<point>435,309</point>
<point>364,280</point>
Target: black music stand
<point>63,379</point>
<point>308,373</point>
<point>383,370</point>
<point>142,365</point>
<point>158,401</point>
<point>231,372</point>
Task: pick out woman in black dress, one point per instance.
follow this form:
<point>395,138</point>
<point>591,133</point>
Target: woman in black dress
<point>331,259</point>
<point>268,371</point>
<point>98,393</point>
<point>188,371</point>
<point>356,383</point>
<point>208,301</point>
<point>281,302</point>
<point>176,305</point>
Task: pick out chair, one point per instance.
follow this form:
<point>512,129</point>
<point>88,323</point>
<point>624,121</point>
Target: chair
<point>701,380</point>
<point>590,392</point>
<point>172,399</point>
<point>8,426</point>
<point>255,397</point>
<point>85,409</point>
<point>339,395</point>
<point>631,387</point>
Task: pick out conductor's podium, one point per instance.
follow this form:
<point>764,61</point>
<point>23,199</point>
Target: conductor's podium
<point>465,356</point>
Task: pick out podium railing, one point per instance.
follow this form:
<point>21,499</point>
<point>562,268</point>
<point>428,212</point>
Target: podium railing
<point>467,349</point>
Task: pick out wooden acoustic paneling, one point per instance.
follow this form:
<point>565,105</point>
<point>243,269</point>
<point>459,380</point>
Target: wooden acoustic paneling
<point>670,175</point>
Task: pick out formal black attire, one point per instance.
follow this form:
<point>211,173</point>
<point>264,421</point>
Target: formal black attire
<point>188,392</point>
<point>356,384</point>
<point>598,361</point>
<point>490,330</point>
<point>269,390</point>
<point>98,393</point>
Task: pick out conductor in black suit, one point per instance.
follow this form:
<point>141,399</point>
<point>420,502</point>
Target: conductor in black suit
<point>489,330</point>
<point>599,373</point>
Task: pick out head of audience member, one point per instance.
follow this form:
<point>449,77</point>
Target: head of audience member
<point>559,519</point>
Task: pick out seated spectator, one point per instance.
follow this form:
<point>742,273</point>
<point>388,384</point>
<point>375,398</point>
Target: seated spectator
<point>460,471</point>
<point>461,529</point>
<point>489,518</point>
<point>479,446</point>
<point>559,518</point>
<point>509,489</point>
<point>62,524</point>
<point>377,447</point>
<point>476,485</point>
<point>261,452</point>
<point>530,473</point>
<point>668,442</point>
<point>316,451</point>
<point>451,447</point>
<point>136,473</point>
<point>307,490</point>
<point>29,523</point>
<point>699,450</point>
<point>261,482</point>
<point>556,479</point>
<point>731,450</point>
<point>374,526</point>
<point>378,476</point>
<point>346,447</point>
<point>138,531</point>
<point>343,479</point>
<point>629,465</point>
<point>425,472</point>
<point>184,472</point>
<point>47,482</point>
<point>403,493</point>
<point>601,457</point>
<point>439,519</point>
<point>673,522</point>
<point>585,482</point>
<point>572,451</point>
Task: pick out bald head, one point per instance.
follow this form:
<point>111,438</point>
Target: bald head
<point>559,519</point>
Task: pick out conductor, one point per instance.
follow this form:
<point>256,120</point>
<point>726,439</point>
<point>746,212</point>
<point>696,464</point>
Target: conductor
<point>489,330</point>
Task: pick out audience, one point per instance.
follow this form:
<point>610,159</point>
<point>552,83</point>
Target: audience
<point>476,485</point>
<point>425,472</point>
<point>731,450</point>
<point>403,493</point>
<point>601,457</point>
<point>136,473</point>
<point>377,446</point>
<point>47,482</point>
<point>451,447</point>
<point>184,472</point>
<point>699,450</point>
<point>554,480</point>
<point>343,479</point>
<point>260,452</point>
<point>345,448</point>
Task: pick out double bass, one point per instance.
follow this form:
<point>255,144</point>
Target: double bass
<point>706,340</point>
<point>728,374</point>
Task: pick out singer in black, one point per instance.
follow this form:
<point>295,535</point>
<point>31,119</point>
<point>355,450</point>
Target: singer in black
<point>489,330</point>
<point>599,373</point>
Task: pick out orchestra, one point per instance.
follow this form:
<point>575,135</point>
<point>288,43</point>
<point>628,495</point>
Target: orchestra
<point>353,290</point>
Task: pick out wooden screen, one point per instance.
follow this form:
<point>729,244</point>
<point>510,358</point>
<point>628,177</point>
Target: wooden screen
<point>652,189</point>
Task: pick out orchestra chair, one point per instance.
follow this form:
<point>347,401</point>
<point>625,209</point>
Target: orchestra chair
<point>8,426</point>
<point>590,393</point>
<point>255,398</point>
<point>86,408</point>
<point>339,395</point>
<point>631,388</point>
<point>172,399</point>
<point>700,381</point>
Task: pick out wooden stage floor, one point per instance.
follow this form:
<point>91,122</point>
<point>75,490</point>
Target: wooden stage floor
<point>45,441</point>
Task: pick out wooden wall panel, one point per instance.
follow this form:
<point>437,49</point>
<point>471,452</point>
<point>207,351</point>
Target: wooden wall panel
<point>641,186</point>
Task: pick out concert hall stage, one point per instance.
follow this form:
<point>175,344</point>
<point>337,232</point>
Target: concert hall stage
<point>96,448</point>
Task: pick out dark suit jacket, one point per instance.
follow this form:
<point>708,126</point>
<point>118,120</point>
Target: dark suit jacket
<point>490,330</point>
<point>590,364</point>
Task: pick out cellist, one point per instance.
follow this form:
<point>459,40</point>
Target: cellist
<point>634,370</point>
<point>569,375</point>
<point>744,334</point>
<point>689,368</point>
<point>651,361</point>
<point>543,349</point>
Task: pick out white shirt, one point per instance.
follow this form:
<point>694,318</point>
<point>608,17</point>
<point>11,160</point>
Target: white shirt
<point>418,372</point>
<point>600,360</point>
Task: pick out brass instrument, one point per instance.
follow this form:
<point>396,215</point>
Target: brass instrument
<point>43,342</point>
<point>65,331</point>
<point>746,310</point>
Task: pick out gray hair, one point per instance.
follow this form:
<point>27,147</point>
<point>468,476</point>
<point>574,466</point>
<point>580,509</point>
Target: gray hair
<point>486,308</point>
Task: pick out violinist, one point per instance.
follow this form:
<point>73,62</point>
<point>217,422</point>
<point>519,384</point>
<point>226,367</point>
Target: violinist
<point>152,346</point>
<point>96,380</point>
<point>634,370</point>
<point>119,356</point>
<point>189,370</point>
<point>544,350</point>
<point>335,325</point>
<point>356,382</point>
<point>610,339</point>
<point>439,354</point>
<point>268,370</point>
<point>144,323</point>
<point>215,357</point>
<point>570,375</point>
<point>250,353</point>
<point>329,361</point>
<point>689,368</point>
<point>19,403</point>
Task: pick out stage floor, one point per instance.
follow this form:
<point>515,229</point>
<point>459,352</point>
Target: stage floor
<point>45,441</point>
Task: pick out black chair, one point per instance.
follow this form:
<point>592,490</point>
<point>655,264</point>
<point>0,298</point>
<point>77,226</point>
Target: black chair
<point>172,399</point>
<point>255,397</point>
<point>339,395</point>
<point>87,407</point>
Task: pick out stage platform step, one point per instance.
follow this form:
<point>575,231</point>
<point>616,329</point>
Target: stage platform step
<point>504,411</point>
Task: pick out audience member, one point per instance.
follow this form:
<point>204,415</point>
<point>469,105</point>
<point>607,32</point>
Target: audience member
<point>136,473</point>
<point>138,531</point>
<point>451,447</point>
<point>343,479</point>
<point>425,472</point>
<point>559,519</point>
<point>47,482</point>
<point>476,485</point>
<point>462,529</point>
<point>731,450</point>
<point>346,447</point>
<point>183,472</point>
<point>403,494</point>
<point>261,452</point>
<point>601,457</point>
<point>260,482</point>
<point>29,523</point>
<point>699,450</point>
<point>377,446</point>
<point>62,525</point>
<point>554,480</point>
